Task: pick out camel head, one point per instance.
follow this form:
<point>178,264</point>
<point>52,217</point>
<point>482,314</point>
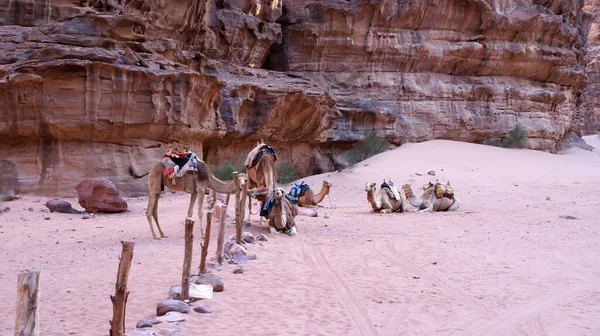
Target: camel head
<point>242,179</point>
<point>279,193</point>
<point>327,184</point>
<point>370,187</point>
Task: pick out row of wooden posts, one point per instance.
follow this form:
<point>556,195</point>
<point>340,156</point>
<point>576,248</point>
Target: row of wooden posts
<point>28,292</point>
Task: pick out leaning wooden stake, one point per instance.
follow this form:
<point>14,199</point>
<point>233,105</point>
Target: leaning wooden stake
<point>205,245</point>
<point>28,310</point>
<point>221,238</point>
<point>240,203</point>
<point>119,300</point>
<point>187,259</point>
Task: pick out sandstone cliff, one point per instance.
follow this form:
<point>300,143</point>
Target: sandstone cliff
<point>94,88</point>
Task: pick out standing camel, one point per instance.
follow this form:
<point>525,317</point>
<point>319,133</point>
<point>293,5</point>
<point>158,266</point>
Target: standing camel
<point>261,173</point>
<point>192,182</point>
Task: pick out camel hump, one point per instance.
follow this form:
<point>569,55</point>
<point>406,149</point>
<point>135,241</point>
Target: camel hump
<point>256,153</point>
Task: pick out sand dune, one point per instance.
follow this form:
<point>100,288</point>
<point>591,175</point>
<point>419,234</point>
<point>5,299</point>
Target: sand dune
<point>509,262</point>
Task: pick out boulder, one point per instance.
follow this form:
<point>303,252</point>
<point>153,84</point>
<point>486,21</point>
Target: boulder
<point>61,206</point>
<point>210,279</point>
<point>172,306</point>
<point>100,195</point>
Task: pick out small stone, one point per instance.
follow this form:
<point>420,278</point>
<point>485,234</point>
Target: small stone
<point>568,217</point>
<point>431,172</point>
<point>209,279</point>
<point>30,209</point>
<point>204,309</point>
<point>419,174</point>
<point>248,237</point>
<point>326,216</point>
<point>85,216</point>
<point>172,305</point>
<point>47,218</point>
<point>237,259</point>
<point>237,248</point>
<point>239,269</point>
<point>548,198</point>
<point>251,257</point>
<point>261,237</point>
<point>144,324</point>
<point>169,317</point>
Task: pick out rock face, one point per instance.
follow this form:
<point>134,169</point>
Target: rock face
<point>95,88</point>
<point>592,97</point>
<point>100,195</point>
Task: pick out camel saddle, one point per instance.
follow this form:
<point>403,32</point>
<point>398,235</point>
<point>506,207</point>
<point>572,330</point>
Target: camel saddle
<point>262,150</point>
<point>298,190</point>
<point>266,206</point>
<point>388,189</point>
<point>176,164</point>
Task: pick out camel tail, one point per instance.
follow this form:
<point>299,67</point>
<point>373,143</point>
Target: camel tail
<point>135,173</point>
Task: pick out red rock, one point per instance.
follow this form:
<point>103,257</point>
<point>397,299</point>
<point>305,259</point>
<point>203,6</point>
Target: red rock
<point>100,195</point>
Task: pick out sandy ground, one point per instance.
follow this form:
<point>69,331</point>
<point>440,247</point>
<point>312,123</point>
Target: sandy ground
<point>507,263</point>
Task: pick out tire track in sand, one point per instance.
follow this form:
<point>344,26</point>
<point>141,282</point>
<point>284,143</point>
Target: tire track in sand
<point>460,296</point>
<point>360,318</point>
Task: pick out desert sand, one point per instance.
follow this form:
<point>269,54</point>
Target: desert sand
<point>520,256</point>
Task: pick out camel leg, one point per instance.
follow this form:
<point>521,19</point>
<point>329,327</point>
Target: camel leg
<point>190,211</point>
<point>155,215</point>
<point>454,205</point>
<point>249,209</point>
<point>150,210</point>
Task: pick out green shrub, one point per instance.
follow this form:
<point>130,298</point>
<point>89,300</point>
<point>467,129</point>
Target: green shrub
<point>286,173</point>
<point>362,150</point>
<point>225,170</point>
<point>516,138</point>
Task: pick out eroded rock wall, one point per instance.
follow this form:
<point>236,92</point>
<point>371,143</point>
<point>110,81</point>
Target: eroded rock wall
<point>592,97</point>
<point>451,69</point>
<point>94,88</point>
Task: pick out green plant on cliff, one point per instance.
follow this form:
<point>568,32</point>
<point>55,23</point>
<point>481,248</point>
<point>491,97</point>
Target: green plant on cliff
<point>286,172</point>
<point>371,145</point>
<point>516,138</point>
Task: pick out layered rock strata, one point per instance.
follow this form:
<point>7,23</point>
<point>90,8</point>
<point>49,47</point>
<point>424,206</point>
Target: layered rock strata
<point>95,88</point>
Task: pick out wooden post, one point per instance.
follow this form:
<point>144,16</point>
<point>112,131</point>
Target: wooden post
<point>214,197</point>
<point>187,259</point>
<point>205,245</point>
<point>240,204</point>
<point>221,238</point>
<point>119,300</point>
<point>28,311</point>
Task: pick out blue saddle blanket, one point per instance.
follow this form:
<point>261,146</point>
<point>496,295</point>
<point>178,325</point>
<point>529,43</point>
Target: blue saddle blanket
<point>264,210</point>
<point>298,189</point>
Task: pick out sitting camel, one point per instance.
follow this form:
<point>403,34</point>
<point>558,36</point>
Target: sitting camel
<point>309,199</point>
<point>436,197</point>
<point>192,182</point>
<point>281,214</point>
<point>387,200</point>
<point>261,172</point>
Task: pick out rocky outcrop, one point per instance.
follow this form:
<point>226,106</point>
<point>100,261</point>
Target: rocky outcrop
<point>450,69</point>
<point>94,88</point>
<point>592,97</point>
